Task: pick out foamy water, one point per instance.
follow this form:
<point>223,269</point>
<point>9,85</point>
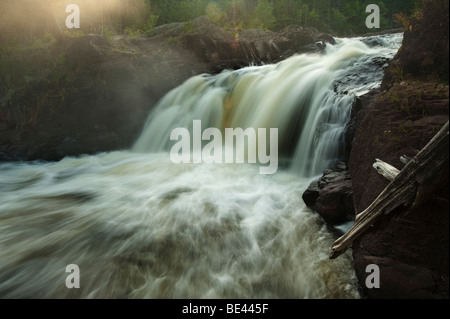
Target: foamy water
<point>143,227</point>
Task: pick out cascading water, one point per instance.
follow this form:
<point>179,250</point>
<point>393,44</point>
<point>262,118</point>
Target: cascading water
<point>140,226</point>
<point>307,98</point>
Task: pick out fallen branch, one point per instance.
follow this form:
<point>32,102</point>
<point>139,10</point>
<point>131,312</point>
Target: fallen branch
<point>405,159</point>
<point>385,169</point>
<point>411,187</point>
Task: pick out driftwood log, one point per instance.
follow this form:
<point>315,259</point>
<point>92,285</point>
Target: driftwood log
<point>411,187</point>
<point>385,169</point>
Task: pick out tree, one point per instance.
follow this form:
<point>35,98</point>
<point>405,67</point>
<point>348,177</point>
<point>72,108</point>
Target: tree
<point>262,16</point>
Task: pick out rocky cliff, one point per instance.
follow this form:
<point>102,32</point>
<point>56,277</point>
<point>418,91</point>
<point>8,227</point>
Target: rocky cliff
<point>409,246</point>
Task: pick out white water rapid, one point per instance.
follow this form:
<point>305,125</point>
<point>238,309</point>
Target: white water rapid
<point>140,226</point>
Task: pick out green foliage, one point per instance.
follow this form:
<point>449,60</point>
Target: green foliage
<point>150,23</point>
<point>262,17</point>
<point>135,17</point>
<point>215,13</point>
<point>74,33</point>
<point>188,27</point>
<point>45,42</point>
<point>133,32</point>
<point>398,73</point>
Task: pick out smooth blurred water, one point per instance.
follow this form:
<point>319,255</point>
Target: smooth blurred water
<point>307,97</point>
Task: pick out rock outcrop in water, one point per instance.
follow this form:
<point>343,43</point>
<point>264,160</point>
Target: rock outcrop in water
<point>410,246</point>
<point>331,196</point>
<point>96,92</point>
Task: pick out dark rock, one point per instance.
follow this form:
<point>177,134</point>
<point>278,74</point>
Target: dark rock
<point>380,61</point>
<point>400,239</point>
<point>331,196</point>
<point>425,49</point>
<point>88,49</point>
<point>408,249</point>
<point>341,167</point>
<point>355,118</point>
<point>384,32</point>
<point>311,194</point>
<point>325,38</point>
<point>387,131</point>
<point>372,41</point>
<point>215,46</point>
<point>309,48</point>
<point>335,202</point>
<point>410,246</point>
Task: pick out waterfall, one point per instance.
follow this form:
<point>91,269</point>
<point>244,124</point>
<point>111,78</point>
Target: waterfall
<point>307,98</point>
<point>138,225</point>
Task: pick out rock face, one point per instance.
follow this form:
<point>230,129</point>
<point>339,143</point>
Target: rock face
<point>425,47</point>
<point>411,251</point>
<point>331,196</point>
<point>98,93</point>
<point>409,246</point>
<point>355,119</point>
<point>218,49</point>
<point>222,49</point>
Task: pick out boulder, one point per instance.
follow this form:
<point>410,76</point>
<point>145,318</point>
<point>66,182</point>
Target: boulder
<point>331,196</point>
<point>335,202</point>
<point>325,37</point>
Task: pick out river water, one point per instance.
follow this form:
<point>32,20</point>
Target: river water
<point>138,225</point>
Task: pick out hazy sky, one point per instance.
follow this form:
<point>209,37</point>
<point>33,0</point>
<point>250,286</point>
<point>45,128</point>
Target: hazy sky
<point>21,15</point>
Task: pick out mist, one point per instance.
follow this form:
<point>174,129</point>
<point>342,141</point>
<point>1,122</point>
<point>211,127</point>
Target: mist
<point>31,18</point>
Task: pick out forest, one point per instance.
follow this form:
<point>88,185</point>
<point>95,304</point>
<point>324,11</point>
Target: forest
<point>28,20</point>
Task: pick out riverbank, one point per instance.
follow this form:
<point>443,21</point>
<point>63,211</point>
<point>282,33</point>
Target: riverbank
<point>410,246</point>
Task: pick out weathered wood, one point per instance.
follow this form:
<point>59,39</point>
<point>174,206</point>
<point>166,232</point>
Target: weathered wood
<point>405,159</point>
<point>385,169</point>
<point>412,187</point>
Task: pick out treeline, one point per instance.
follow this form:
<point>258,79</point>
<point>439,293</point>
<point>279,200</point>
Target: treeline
<point>31,18</point>
<point>341,17</point>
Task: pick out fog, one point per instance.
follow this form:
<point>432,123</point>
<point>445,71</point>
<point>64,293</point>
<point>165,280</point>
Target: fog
<point>28,18</point>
